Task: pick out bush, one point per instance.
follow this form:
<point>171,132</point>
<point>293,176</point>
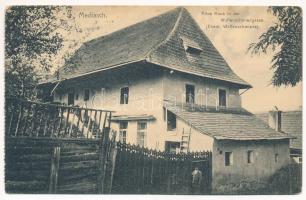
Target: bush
<point>286,180</point>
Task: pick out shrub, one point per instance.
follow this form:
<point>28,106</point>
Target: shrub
<point>286,180</point>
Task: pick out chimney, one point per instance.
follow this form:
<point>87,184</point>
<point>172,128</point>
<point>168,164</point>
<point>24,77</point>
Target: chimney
<point>275,119</point>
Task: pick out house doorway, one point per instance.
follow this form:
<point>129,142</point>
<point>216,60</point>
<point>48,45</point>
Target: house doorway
<point>71,98</point>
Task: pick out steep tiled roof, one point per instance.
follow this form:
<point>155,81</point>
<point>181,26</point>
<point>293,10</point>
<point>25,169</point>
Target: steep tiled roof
<point>158,41</point>
<point>226,125</point>
<point>291,124</point>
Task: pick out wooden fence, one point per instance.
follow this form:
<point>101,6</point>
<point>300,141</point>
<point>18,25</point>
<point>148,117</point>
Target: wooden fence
<point>36,119</point>
<point>62,149</point>
<point>138,170</point>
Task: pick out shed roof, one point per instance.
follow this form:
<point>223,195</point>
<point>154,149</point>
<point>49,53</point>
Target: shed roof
<point>226,125</point>
<point>291,123</point>
<point>157,41</point>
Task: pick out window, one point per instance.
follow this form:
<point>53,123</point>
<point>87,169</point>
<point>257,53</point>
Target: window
<point>171,121</point>
<point>141,133</point>
<point>228,158</point>
<point>172,147</point>
<point>189,93</point>
<point>222,98</point>
<point>86,95</point>
<point>124,95</point>
<point>250,155</point>
<point>71,98</point>
<point>123,131</point>
<point>191,46</point>
<point>77,97</point>
<point>276,157</point>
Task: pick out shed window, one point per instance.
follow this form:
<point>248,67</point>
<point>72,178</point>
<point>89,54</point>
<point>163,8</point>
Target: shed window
<point>124,95</point>
<point>141,133</point>
<point>250,156</point>
<point>222,97</point>
<point>171,121</point>
<point>86,95</point>
<point>189,93</point>
<point>228,158</point>
<point>123,131</point>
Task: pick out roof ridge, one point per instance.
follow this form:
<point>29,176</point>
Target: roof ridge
<point>126,27</point>
<point>170,34</point>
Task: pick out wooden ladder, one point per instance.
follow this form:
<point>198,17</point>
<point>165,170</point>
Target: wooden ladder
<point>184,145</point>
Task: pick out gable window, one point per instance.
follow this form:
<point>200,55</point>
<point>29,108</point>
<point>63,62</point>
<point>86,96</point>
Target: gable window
<point>124,95</point>
<point>250,156</point>
<point>228,157</point>
<point>86,94</point>
<point>141,133</point>
<point>171,121</point>
<point>123,131</point>
<point>189,93</point>
<point>222,98</point>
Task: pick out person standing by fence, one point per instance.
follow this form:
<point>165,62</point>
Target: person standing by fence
<point>196,181</point>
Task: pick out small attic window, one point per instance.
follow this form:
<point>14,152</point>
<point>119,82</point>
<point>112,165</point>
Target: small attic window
<point>191,46</point>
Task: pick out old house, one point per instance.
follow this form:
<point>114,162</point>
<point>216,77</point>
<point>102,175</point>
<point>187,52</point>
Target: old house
<point>172,90</point>
<point>289,122</point>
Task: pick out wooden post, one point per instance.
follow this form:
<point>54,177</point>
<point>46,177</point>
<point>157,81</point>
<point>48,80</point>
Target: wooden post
<point>102,161</point>
<point>54,170</point>
<point>114,157</point>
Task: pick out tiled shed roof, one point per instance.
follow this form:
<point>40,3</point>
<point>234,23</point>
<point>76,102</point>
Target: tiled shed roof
<point>157,41</point>
<point>291,124</point>
<point>226,125</point>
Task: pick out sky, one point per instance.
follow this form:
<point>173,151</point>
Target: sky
<point>232,43</point>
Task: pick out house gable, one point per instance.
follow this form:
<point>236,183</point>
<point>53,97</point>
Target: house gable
<point>207,61</point>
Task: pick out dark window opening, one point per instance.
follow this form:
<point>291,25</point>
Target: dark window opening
<point>71,98</point>
<point>228,158</point>
<point>123,131</point>
<point>222,97</point>
<point>77,97</point>
<point>172,147</point>
<point>189,93</point>
<point>193,50</point>
<point>171,121</point>
<point>86,95</point>
<point>124,95</point>
<point>250,155</point>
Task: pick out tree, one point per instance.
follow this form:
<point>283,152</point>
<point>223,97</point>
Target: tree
<point>285,38</point>
<point>33,34</point>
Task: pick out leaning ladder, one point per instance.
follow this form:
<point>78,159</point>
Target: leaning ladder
<point>184,145</point>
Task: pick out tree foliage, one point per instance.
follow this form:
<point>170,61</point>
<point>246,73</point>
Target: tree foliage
<point>33,34</point>
<point>285,38</point>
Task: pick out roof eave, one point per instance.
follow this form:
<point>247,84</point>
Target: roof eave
<point>92,72</point>
<point>240,84</point>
